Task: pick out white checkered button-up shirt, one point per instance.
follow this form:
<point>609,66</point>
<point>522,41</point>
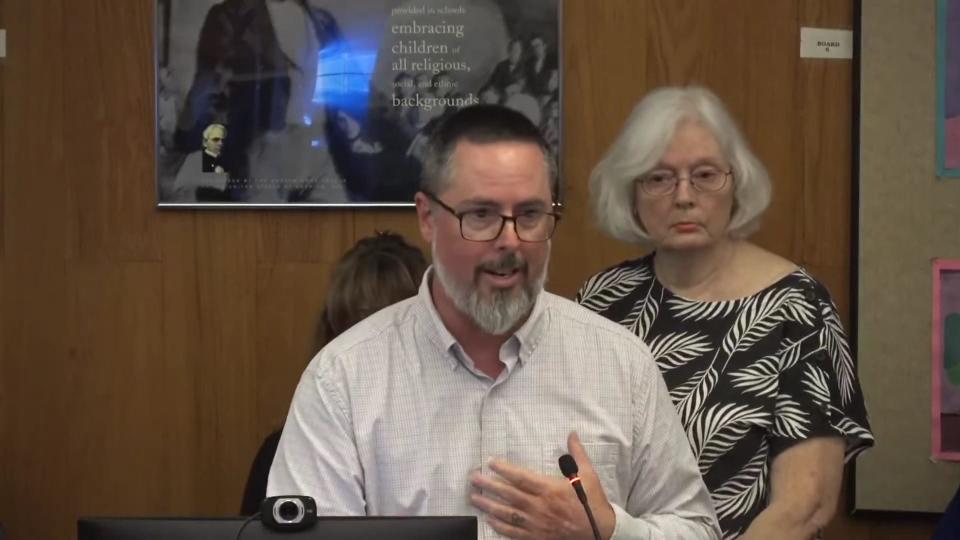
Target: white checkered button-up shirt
<point>392,417</point>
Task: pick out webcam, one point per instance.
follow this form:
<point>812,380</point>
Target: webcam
<point>288,512</point>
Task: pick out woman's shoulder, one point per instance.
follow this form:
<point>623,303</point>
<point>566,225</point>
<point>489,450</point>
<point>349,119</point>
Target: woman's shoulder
<point>799,289</point>
<point>759,269</point>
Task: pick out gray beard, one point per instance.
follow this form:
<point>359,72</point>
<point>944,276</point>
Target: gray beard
<point>498,314</point>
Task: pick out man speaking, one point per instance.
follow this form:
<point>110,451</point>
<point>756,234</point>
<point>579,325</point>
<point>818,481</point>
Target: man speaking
<point>461,399</point>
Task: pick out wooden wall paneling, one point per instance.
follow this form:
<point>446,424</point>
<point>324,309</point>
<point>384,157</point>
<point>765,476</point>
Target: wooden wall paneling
<point>5,472</point>
<point>297,251</point>
<point>603,64</point>
<point>603,68</point>
<point>223,354</point>
<point>290,298</point>
<point>676,34</point>
<point>309,235</point>
<point>109,128</point>
<point>827,88</point>
<point>881,527</point>
<point>759,85</point>
<point>114,439</point>
<point>35,378</point>
<point>208,371</point>
<point>185,324</point>
<point>727,50</point>
<point>604,59</point>
<point>401,221</point>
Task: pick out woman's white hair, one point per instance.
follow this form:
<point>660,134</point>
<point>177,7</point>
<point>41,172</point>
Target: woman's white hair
<point>645,137</point>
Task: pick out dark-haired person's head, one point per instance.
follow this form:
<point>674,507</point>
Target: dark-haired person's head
<point>479,124</point>
<point>487,208</point>
<point>377,271</point>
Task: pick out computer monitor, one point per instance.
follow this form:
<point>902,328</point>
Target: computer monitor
<point>326,528</point>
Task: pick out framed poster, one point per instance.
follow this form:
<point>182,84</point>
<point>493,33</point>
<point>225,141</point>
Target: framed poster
<point>948,88</point>
<point>289,103</point>
<point>946,360</point>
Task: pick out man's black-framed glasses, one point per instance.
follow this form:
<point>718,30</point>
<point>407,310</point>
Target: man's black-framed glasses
<point>485,225</point>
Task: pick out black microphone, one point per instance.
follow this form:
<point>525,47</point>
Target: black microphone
<point>568,466</point>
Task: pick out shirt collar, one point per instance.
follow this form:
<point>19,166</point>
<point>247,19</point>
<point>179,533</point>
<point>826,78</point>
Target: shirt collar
<point>438,332</point>
<point>528,336</point>
<point>532,331</point>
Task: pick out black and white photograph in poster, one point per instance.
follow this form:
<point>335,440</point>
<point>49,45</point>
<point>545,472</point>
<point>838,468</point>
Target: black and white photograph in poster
<point>331,102</point>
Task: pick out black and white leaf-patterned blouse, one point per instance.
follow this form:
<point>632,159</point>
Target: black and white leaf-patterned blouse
<point>749,377</point>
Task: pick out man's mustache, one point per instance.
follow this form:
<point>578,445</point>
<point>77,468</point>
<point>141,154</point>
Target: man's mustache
<point>507,263</point>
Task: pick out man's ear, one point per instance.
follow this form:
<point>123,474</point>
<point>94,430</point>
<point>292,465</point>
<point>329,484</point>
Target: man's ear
<point>424,216</point>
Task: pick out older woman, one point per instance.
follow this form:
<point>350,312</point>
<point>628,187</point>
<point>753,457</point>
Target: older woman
<point>750,345</point>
